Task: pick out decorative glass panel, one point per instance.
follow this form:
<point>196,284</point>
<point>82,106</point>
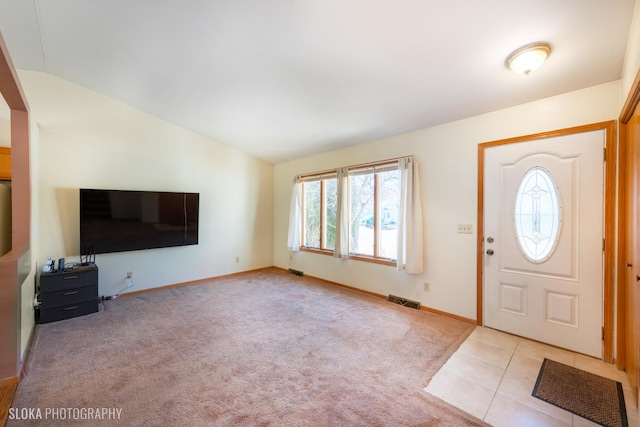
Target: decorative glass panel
<point>537,214</point>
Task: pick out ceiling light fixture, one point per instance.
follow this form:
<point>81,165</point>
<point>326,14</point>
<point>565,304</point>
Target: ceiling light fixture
<point>528,58</point>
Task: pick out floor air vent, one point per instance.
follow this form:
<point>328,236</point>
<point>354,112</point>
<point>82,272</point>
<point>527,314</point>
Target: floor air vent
<point>296,272</point>
<point>405,302</point>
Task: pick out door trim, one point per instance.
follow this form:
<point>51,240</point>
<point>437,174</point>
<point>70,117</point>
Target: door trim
<point>630,105</point>
<point>609,221</point>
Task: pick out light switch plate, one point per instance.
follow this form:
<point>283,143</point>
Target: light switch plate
<point>465,228</point>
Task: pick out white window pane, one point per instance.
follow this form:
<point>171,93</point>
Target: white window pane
<point>361,188</point>
<point>389,209</point>
<point>331,200</point>
<point>312,214</point>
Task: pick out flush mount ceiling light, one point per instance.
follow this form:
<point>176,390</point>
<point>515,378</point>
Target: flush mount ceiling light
<point>528,58</point>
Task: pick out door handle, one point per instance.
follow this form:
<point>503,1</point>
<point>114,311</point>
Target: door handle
<point>629,265</point>
<point>490,252</point>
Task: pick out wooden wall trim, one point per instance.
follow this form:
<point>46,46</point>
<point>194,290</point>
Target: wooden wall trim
<point>329,282</point>
<point>621,267</point>
<point>377,295</point>
<point>633,98</point>
<point>193,282</point>
<point>609,220</point>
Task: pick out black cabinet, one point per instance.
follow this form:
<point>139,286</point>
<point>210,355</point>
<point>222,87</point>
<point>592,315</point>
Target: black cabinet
<point>68,294</point>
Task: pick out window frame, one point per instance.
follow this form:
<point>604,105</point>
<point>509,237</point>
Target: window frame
<point>321,177</point>
<point>376,168</point>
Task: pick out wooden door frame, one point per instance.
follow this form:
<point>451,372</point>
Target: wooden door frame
<point>609,220</point>
<point>630,105</point>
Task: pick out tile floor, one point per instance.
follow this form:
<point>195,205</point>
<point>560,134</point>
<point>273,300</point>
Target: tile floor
<point>492,376</point>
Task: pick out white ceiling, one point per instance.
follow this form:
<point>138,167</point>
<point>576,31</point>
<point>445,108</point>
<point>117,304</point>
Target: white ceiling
<point>283,79</point>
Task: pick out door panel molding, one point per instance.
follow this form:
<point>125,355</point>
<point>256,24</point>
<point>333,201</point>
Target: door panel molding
<point>609,220</point>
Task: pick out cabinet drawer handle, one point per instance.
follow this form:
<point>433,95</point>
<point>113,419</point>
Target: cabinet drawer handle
<point>71,293</point>
<point>70,308</point>
<point>70,277</point>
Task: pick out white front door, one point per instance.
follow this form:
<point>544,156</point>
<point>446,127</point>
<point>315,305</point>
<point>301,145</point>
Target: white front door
<point>543,229</point>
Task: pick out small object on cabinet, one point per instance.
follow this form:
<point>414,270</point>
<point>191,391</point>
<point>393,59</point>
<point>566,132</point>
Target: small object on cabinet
<point>48,266</point>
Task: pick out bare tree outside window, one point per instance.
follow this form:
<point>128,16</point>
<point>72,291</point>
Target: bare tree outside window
<point>331,204</point>
<point>389,211</point>
<point>320,207</point>
<point>312,214</point>
<point>362,213</point>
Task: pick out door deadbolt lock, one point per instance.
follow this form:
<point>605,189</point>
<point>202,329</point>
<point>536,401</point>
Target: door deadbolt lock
<point>490,239</point>
<point>489,251</point>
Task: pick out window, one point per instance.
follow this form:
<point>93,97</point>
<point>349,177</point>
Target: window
<point>370,212</point>
<point>319,212</point>
<point>362,218</point>
<point>374,202</point>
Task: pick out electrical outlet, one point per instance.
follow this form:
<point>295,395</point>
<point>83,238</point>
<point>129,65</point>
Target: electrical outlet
<point>129,274</point>
<point>237,259</point>
<point>465,228</point>
<point>427,286</point>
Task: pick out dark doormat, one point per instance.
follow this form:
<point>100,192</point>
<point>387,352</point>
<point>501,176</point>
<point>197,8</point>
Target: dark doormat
<point>590,396</point>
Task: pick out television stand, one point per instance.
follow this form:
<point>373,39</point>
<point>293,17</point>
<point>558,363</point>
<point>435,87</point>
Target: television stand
<point>67,294</point>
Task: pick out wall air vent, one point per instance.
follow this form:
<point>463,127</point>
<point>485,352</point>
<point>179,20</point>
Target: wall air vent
<point>296,272</point>
<point>405,302</point>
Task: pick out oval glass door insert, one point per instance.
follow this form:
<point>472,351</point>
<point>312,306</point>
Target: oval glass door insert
<point>537,214</point>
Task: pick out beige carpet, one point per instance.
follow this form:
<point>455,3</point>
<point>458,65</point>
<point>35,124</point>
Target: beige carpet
<point>266,348</point>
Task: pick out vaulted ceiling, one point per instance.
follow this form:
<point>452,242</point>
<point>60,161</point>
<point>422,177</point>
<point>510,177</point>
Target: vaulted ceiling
<point>283,79</point>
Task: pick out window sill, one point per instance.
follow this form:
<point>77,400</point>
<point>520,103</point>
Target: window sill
<point>316,251</point>
<point>364,258</point>
<point>381,261</point>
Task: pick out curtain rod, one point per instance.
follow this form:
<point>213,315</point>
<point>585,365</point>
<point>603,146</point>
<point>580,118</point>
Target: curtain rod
<point>362,165</point>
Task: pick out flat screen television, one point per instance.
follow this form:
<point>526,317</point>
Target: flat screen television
<point>120,220</point>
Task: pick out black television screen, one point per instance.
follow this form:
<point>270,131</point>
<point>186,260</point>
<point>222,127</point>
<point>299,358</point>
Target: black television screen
<point>119,220</point>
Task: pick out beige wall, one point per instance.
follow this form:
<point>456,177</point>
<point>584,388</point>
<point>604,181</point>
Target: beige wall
<point>632,57</point>
<point>27,320</point>
<point>89,141</point>
<point>5,124</point>
<point>448,158</point>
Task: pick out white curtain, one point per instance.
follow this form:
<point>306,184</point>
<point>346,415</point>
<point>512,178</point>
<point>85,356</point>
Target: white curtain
<point>341,248</point>
<point>295,216</point>
<point>410,240</point>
